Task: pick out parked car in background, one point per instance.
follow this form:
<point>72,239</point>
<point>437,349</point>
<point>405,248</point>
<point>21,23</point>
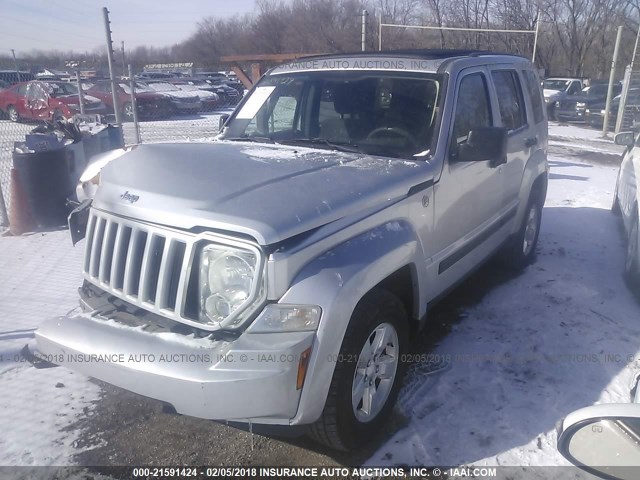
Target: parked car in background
<point>210,100</point>
<point>149,103</point>
<point>218,78</point>
<point>573,107</point>
<point>38,100</point>
<point>594,115</point>
<point>181,101</point>
<point>558,88</point>
<point>626,203</point>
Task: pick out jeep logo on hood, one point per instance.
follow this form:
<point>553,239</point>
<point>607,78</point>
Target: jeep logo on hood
<point>129,197</point>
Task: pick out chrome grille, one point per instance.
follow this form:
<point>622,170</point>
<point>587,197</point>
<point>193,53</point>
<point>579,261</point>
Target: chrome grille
<point>145,265</point>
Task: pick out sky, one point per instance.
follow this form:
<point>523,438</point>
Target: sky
<point>27,25</point>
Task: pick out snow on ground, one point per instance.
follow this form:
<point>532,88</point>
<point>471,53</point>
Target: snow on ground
<point>535,348</point>
<point>577,132</point>
<point>39,277</point>
<point>530,352</point>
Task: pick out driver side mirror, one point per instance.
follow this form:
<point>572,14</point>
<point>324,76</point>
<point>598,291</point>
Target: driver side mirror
<point>625,138</point>
<point>603,440</point>
<point>223,119</point>
<point>484,143</point>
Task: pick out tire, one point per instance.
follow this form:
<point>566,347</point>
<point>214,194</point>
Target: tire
<point>12,114</point>
<point>127,111</point>
<point>615,206</point>
<point>632,259</point>
<point>520,250</point>
<point>345,423</point>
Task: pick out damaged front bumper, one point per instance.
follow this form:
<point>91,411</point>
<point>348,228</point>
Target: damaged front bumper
<point>252,377</point>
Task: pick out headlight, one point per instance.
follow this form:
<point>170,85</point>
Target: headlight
<point>547,99</point>
<point>287,318</point>
<point>581,104</point>
<point>228,283</point>
<point>557,104</point>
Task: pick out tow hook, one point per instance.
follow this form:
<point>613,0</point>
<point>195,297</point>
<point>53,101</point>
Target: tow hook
<point>34,359</point>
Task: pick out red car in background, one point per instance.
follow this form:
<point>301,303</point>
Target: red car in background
<point>149,103</point>
<point>38,100</point>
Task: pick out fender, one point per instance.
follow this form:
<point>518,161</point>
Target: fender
<point>336,281</point>
<point>536,165</point>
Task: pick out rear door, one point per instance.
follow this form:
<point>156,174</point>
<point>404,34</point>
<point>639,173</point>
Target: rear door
<point>523,138</point>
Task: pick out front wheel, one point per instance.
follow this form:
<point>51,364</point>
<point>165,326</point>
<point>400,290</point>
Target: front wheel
<point>12,113</point>
<point>632,261</point>
<point>368,373</point>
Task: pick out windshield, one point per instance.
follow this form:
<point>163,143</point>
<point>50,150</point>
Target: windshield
<point>379,113</point>
<point>62,89</point>
<point>559,85</point>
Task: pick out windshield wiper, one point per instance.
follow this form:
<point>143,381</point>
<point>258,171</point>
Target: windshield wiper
<point>341,147</point>
<point>251,139</point>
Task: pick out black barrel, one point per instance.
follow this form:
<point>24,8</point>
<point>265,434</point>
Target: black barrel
<point>46,179</point>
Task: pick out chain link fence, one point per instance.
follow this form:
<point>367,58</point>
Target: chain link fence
<point>10,132</point>
<point>166,110</point>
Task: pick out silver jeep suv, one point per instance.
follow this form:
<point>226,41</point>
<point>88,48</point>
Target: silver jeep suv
<point>275,276</point>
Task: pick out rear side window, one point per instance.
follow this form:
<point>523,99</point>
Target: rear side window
<point>533,87</point>
<point>510,99</point>
<point>472,107</point>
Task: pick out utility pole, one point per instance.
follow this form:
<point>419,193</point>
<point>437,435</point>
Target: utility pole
<point>114,93</point>
<point>134,106</point>
<point>80,92</point>
<point>612,74</point>
<point>15,63</point>
<point>124,68</point>
<point>364,30</point>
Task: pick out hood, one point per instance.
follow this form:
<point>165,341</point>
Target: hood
<point>269,192</point>
<point>551,93</point>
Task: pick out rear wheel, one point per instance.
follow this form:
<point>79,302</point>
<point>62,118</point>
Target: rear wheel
<point>12,113</point>
<point>368,373</point>
<point>520,251</point>
<point>632,261</point>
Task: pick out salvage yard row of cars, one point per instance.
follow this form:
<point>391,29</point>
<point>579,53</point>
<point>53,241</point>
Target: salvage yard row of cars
<point>155,99</point>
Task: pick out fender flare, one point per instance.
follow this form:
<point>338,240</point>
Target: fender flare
<point>336,281</point>
<point>536,167</point>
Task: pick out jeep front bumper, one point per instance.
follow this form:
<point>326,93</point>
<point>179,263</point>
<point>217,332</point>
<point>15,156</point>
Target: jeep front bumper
<point>250,378</point>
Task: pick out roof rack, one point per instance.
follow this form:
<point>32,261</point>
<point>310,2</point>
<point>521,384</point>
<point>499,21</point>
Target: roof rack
<point>425,54</point>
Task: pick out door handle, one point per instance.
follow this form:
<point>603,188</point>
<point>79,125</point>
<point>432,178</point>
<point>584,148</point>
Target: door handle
<point>530,142</point>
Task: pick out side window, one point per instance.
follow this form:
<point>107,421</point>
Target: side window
<point>22,89</point>
<point>510,99</point>
<point>533,87</point>
<point>574,88</point>
<point>472,108</point>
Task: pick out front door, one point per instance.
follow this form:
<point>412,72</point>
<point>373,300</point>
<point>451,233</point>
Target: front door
<point>469,195</point>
